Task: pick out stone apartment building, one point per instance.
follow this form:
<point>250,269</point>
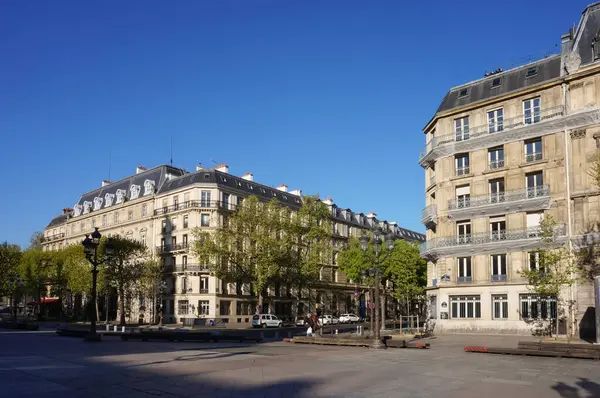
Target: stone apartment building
<point>501,152</point>
<point>161,207</point>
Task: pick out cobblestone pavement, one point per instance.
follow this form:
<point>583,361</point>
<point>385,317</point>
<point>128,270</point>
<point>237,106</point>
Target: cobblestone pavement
<point>42,364</point>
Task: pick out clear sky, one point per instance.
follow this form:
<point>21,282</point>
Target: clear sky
<point>326,96</point>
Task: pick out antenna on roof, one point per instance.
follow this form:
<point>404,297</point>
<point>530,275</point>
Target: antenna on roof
<point>212,160</point>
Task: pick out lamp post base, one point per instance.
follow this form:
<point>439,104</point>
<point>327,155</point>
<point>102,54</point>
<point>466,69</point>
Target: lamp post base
<point>378,345</point>
<point>92,337</point>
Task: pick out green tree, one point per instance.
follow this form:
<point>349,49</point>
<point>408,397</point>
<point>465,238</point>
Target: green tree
<point>10,257</point>
<point>553,276</point>
<point>36,240</point>
<point>124,269</point>
<point>264,244</point>
<point>152,274</point>
<point>36,269</point>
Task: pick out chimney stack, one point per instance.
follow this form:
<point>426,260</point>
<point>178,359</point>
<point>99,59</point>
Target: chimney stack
<point>140,169</point>
<point>297,192</point>
<point>371,214</point>
<point>199,167</point>
<point>248,177</point>
<point>328,201</point>
<point>67,210</point>
<point>282,188</point>
<point>223,168</point>
<point>106,182</point>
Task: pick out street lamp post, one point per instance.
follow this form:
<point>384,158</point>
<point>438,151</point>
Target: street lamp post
<point>90,247</point>
<point>162,288</point>
<point>16,283</point>
<point>376,272</point>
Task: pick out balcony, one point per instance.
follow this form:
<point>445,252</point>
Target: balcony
<point>194,204</point>
<point>462,171</point>
<point>464,279</point>
<point>547,121</point>
<point>172,248</point>
<point>488,242</point>
<point>187,268</point>
<point>533,157</point>
<point>496,164</point>
<point>53,237</point>
<point>429,216</point>
<point>499,278</point>
<point>524,199</point>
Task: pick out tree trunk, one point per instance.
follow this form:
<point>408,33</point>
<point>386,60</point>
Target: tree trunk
<point>122,305</point>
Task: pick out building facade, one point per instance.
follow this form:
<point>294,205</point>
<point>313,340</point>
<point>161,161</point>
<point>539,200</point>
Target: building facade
<point>162,206</point>
<point>501,153</point>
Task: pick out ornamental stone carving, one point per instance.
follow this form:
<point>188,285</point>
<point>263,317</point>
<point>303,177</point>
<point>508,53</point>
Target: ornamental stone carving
<point>134,191</point>
<point>121,196</point>
<point>109,199</point>
<point>577,134</point>
<point>98,203</point>
<point>149,187</point>
<point>87,207</point>
<point>77,209</point>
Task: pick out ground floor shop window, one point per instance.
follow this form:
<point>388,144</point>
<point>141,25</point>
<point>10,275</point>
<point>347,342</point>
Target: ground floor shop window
<point>225,308</point>
<point>534,306</point>
<point>465,307</point>
<point>203,307</point>
<point>183,307</point>
<point>500,306</point>
<point>244,308</point>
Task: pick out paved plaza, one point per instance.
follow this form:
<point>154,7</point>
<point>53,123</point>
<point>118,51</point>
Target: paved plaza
<point>40,364</point>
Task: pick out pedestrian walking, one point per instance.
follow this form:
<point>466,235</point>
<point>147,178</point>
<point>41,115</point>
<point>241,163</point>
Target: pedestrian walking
<point>310,323</point>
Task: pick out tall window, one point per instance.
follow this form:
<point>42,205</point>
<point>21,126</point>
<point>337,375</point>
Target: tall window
<point>203,307</point>
<point>496,190</point>
<point>496,158</point>
<point>143,239</point>
<point>535,184</point>
<point>185,221</point>
<point>165,206</point>
<point>204,285</point>
<point>531,110</point>
<point>184,260</point>
<point>534,221</point>
<point>500,306</point>
<point>163,226</point>
<point>533,150</point>
<point>173,242</point>
<point>465,274</point>
<point>498,267</point>
<point>205,220</point>
<point>104,220</point>
<point>184,285</point>
<point>182,307</point>
<point>461,128</point>
<point>495,120</point>
<point>465,307</point>
<point>463,196</point>
<point>130,215</point>
<point>205,199</point>
<point>534,306</point>
<point>185,240</point>
<point>462,165</point>
<point>176,202</point>
<point>225,200</point>
<point>463,232</point>
<point>144,210</point>
<point>535,263</point>
<point>498,228</point>
<point>225,307</point>
<point>174,222</point>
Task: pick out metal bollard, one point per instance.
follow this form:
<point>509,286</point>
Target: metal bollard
<point>107,327</point>
<point>123,329</point>
<point>336,331</point>
<point>115,328</point>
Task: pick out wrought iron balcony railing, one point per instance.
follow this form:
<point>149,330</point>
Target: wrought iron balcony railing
<point>499,278</point>
<point>496,164</point>
<point>464,279</point>
<point>195,204</point>
<point>508,124</point>
<point>52,237</point>
<point>172,248</point>
<point>533,157</point>
<point>462,171</point>
<point>187,267</point>
<point>500,197</point>
<point>485,241</point>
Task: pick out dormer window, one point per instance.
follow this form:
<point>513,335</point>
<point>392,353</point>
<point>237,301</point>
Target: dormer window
<point>531,71</point>
<point>596,46</point>
<point>463,93</point>
<point>496,82</point>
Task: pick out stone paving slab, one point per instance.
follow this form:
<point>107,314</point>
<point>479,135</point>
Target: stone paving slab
<point>48,366</point>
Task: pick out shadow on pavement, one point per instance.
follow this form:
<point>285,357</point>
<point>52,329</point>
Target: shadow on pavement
<point>584,388</point>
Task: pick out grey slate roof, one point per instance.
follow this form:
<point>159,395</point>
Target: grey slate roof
<point>57,221</point>
<point>510,80</point>
<point>586,31</point>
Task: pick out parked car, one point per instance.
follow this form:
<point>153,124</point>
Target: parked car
<point>349,318</point>
<point>328,320</point>
<point>266,321</point>
<point>301,322</point>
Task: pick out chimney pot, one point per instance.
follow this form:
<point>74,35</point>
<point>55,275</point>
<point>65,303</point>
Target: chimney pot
<point>199,167</point>
<point>248,176</point>
<point>140,169</point>
<point>283,188</point>
<point>222,168</point>
<point>297,192</point>
<point>106,182</point>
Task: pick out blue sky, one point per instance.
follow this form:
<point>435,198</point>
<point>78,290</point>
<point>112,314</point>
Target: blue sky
<point>326,96</point>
